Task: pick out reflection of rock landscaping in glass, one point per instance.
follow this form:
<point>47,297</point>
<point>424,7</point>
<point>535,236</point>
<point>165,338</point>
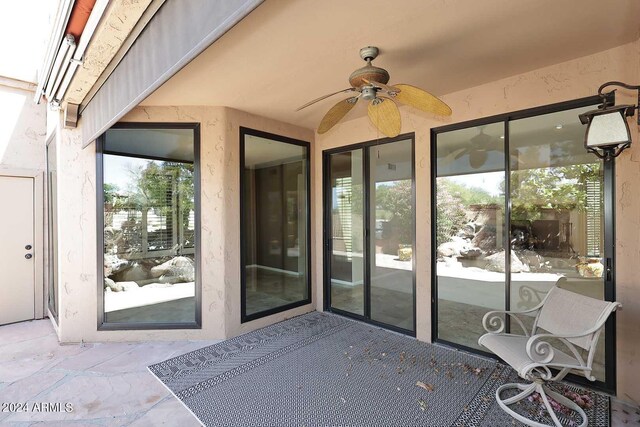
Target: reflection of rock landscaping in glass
<point>176,270</point>
<point>591,267</point>
<point>132,284</point>
<point>405,252</point>
<point>554,219</point>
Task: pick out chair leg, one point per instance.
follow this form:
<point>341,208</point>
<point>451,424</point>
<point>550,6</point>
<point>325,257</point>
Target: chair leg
<point>564,401</point>
<point>529,389</point>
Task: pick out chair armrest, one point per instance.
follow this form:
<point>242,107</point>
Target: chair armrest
<point>537,348</point>
<point>540,350</point>
<point>493,323</point>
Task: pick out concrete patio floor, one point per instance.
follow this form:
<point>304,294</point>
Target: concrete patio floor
<point>106,384</point>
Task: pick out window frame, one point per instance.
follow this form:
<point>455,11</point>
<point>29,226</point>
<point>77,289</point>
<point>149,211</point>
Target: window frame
<point>609,385</point>
<point>244,317</point>
<point>102,325</point>
<point>53,303</point>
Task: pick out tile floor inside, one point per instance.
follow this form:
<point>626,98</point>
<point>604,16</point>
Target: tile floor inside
<point>106,384</point>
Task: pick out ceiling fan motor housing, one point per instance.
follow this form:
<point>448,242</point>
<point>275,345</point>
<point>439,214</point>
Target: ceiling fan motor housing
<point>370,73</point>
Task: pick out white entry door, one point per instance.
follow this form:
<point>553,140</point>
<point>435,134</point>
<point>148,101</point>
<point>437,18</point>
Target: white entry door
<point>17,252</point>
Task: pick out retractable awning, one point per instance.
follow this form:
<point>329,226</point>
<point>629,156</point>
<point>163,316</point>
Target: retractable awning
<point>177,33</point>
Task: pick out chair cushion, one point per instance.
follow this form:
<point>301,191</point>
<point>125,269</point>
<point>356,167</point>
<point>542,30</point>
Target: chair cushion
<point>513,350</point>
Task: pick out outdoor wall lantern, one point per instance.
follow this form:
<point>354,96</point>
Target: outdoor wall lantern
<point>607,128</point>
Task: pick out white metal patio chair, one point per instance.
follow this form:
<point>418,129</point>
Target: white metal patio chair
<point>563,338</point>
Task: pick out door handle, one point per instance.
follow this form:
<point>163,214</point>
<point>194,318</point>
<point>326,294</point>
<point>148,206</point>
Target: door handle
<point>28,247</point>
<point>28,256</point>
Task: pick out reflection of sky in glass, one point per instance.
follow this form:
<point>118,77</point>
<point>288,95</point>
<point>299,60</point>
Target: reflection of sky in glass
<point>489,182</point>
<point>118,170</point>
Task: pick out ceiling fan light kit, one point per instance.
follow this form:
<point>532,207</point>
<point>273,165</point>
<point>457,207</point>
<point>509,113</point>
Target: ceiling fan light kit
<point>370,84</point>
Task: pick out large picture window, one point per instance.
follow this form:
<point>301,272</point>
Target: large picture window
<point>519,206</point>
<point>149,211</point>
<point>274,178</point>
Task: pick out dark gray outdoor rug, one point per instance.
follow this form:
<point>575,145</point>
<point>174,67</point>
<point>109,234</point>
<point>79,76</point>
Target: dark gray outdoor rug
<point>321,369</point>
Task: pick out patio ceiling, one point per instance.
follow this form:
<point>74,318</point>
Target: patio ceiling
<point>286,53</point>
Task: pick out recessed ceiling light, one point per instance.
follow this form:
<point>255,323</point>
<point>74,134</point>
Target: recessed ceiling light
<point>558,126</point>
<point>501,136</point>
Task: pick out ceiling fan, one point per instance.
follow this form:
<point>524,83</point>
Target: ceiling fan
<point>370,84</point>
<point>478,150</point>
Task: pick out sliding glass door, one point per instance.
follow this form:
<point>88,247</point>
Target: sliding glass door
<point>519,207</point>
<point>370,231</point>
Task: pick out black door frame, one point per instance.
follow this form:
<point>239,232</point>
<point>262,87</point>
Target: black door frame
<point>244,317</point>
<point>327,227</point>
<point>609,385</point>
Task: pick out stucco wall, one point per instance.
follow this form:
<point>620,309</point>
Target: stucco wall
<point>220,243</point>
<point>561,82</point>
<point>22,153</point>
<point>22,130</point>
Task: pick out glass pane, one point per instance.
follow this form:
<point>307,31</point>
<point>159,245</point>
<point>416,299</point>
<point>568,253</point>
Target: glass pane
<point>52,219</point>
<point>347,237</point>
<point>557,212</point>
<point>275,223</point>
<point>470,230</point>
<point>149,251</point>
<point>392,218</point>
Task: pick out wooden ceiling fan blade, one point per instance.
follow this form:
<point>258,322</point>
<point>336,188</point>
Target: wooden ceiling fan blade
<point>336,113</point>
<point>421,99</point>
<point>324,97</point>
<point>460,152</point>
<point>385,116</point>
